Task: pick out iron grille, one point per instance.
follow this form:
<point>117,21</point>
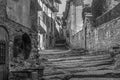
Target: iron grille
<point>2,51</point>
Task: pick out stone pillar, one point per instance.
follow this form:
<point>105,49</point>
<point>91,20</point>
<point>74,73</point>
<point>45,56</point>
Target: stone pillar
<point>88,17</point>
<point>73,21</point>
<point>73,17</point>
<point>79,20</point>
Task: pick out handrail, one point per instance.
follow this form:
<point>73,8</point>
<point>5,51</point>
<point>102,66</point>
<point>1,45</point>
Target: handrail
<point>108,15</point>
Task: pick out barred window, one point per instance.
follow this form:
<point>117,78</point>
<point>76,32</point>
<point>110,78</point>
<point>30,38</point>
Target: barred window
<point>2,51</point>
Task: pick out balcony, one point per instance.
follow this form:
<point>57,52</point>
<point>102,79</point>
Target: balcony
<point>52,4</point>
<point>55,7</point>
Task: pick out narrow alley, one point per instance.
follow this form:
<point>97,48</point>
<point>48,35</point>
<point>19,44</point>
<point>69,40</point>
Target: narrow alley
<point>59,39</point>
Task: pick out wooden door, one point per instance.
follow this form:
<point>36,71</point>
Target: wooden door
<point>3,53</point>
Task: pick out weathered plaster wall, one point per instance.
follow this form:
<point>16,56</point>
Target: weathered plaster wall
<point>105,36</point>
<point>74,25</point>
<point>78,40</point>
<point>72,18</point>
<point>18,11</point>
<point>101,37</point>
<point>79,19</point>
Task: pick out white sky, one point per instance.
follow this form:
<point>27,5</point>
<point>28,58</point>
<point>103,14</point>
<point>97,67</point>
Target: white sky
<point>62,7</point>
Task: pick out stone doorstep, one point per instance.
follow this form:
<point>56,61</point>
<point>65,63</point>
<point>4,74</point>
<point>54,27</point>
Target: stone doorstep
<point>93,74</point>
<point>28,74</point>
<point>95,78</point>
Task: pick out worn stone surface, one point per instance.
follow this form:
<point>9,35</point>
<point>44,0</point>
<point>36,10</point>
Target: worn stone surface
<point>101,37</point>
<point>106,35</point>
<point>72,64</point>
<point>95,79</point>
<point>78,41</point>
<point>16,29</point>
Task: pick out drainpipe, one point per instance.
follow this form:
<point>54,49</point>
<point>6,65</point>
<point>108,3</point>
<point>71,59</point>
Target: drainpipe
<point>88,17</point>
<point>86,35</point>
<point>51,28</point>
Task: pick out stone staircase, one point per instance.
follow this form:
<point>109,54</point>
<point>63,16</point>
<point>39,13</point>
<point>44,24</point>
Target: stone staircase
<point>60,44</point>
<point>66,65</point>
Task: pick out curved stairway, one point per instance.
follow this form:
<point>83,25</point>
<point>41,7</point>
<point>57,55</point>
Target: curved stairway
<point>64,65</point>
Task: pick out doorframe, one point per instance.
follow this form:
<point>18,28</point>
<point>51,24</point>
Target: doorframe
<point>7,52</point>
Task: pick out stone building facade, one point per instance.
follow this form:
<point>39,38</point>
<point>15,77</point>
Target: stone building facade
<point>104,34</point>
<point>73,22</point>
<point>18,38</point>
<point>47,23</point>
<point>100,30</point>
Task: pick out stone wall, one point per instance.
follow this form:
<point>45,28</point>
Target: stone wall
<point>18,10</point>
<point>106,32</point>
<point>78,40</point>
<point>15,29</point>
<point>105,36</point>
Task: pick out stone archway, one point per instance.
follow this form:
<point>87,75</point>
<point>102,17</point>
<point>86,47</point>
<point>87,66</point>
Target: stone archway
<point>22,46</point>
<point>3,53</point>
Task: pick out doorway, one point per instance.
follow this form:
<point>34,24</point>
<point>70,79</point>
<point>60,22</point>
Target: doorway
<point>3,53</point>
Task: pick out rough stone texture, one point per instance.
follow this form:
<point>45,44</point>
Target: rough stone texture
<point>15,29</point>
<point>101,37</point>
<point>95,79</point>
<point>108,16</point>
<point>105,36</point>
<point>78,40</point>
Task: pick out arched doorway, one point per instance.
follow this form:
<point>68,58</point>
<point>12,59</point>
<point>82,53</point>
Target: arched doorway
<point>22,46</point>
<point>3,53</point>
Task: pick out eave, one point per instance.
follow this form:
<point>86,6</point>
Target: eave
<point>58,1</point>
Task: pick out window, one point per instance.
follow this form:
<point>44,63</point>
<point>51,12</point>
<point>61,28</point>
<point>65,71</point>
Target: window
<point>2,51</point>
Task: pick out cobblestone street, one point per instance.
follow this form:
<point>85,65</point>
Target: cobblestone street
<point>76,65</point>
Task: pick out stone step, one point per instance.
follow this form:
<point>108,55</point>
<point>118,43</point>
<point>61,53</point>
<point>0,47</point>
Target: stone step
<point>72,70</point>
<point>77,65</point>
<point>87,74</point>
<point>93,78</point>
<point>62,70</point>
<point>85,58</point>
<point>60,56</point>
<point>78,69</point>
<point>99,72</point>
<point>54,77</point>
<point>80,63</point>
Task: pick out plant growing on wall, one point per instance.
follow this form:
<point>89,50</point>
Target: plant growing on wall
<point>98,7</point>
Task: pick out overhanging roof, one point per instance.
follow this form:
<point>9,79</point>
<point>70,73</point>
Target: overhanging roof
<point>58,1</point>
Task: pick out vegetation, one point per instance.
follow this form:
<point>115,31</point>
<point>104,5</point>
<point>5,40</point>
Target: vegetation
<point>98,7</point>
